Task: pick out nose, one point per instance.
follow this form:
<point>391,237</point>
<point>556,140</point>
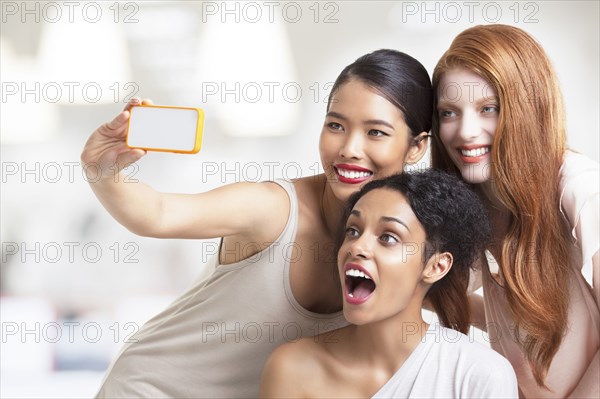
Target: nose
<point>360,248</point>
<point>352,146</point>
<point>470,126</point>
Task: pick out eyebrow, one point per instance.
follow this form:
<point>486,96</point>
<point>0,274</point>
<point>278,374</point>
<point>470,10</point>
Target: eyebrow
<point>487,99</point>
<point>447,103</point>
<point>384,218</point>
<point>392,219</point>
<point>355,213</point>
<point>367,122</point>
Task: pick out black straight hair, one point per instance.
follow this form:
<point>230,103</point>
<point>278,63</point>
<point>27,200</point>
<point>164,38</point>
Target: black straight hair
<point>400,79</point>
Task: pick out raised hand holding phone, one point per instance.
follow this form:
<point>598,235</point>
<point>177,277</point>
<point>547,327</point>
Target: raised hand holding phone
<point>106,152</point>
<point>104,156</point>
<point>150,213</point>
<point>165,128</point>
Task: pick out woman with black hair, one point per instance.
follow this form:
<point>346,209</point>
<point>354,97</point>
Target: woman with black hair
<point>407,238</point>
<point>274,279</point>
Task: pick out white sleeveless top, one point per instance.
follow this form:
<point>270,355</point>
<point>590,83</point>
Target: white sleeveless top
<point>448,364</point>
<point>213,341</point>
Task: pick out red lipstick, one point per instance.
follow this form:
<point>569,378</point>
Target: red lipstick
<point>351,174</point>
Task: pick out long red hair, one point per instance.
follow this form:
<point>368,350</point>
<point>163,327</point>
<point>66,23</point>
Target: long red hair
<point>527,154</point>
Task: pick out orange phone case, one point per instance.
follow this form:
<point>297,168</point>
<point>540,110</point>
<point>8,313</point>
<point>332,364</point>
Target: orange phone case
<point>166,129</point>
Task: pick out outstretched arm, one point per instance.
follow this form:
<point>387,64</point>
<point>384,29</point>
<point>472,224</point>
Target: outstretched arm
<point>237,209</point>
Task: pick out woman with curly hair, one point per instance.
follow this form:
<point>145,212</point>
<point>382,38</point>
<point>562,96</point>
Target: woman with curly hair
<point>406,238</point>
<point>500,125</point>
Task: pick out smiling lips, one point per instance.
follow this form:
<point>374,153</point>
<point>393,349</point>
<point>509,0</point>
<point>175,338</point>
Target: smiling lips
<point>351,174</point>
<point>359,285</point>
<point>473,154</point>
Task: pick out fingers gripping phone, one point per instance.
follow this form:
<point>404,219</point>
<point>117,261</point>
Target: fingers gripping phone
<point>165,128</point>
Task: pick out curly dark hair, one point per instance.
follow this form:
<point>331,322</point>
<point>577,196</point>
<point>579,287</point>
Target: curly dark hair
<point>454,221</point>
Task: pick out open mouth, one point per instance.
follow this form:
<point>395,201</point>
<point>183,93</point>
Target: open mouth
<point>359,286</point>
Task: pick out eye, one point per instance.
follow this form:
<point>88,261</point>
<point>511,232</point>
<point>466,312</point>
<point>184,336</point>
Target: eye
<point>447,114</point>
<point>389,239</point>
<point>489,109</point>
<point>335,126</point>
<point>377,133</point>
<point>351,232</point>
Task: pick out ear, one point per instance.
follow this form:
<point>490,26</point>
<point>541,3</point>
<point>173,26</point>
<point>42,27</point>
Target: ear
<point>437,267</point>
<point>418,147</point>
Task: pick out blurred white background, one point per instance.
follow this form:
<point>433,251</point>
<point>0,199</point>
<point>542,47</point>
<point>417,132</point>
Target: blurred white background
<point>74,283</point>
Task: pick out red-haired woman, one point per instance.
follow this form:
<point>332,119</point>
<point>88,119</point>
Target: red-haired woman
<point>500,124</point>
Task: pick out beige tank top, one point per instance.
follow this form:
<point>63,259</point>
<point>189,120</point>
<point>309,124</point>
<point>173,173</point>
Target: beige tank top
<point>214,340</point>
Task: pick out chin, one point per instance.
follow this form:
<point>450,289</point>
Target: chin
<point>476,174</point>
<point>343,191</point>
<point>476,181</point>
<point>356,318</point>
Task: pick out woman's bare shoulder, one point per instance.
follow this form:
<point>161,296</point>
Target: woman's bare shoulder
<point>291,369</point>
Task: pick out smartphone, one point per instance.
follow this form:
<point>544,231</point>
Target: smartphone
<point>165,128</point>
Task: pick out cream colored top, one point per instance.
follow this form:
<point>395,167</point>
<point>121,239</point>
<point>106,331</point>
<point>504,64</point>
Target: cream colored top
<point>447,364</point>
<point>575,368</point>
<point>214,340</point>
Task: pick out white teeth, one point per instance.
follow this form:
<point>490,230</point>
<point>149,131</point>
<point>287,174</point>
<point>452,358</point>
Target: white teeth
<point>475,152</point>
<point>353,174</point>
<point>356,273</point>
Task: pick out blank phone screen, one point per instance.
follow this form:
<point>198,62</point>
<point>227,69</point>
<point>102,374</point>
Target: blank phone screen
<point>163,129</point>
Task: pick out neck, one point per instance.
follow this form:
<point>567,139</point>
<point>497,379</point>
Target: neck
<point>331,209</point>
<point>498,214</point>
<point>487,194</point>
<point>387,344</point>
